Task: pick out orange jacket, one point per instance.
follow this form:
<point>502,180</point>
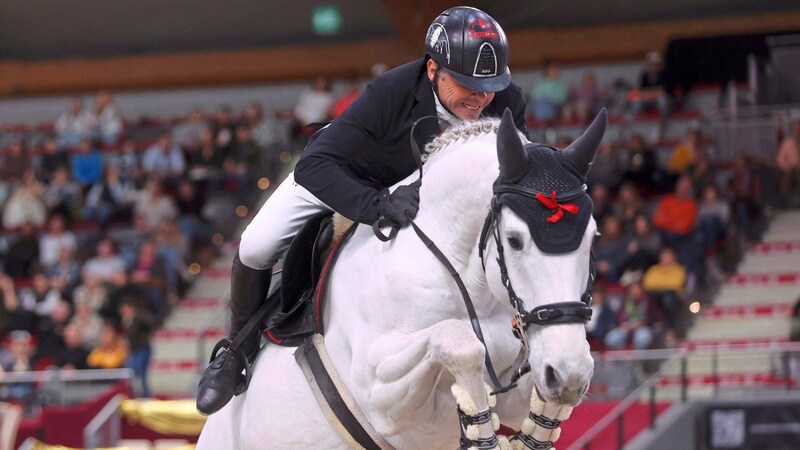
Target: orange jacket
<point>675,215</point>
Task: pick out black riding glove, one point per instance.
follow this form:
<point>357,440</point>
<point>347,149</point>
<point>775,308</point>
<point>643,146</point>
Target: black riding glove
<point>397,208</point>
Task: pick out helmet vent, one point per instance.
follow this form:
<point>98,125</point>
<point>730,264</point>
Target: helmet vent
<point>486,64</point>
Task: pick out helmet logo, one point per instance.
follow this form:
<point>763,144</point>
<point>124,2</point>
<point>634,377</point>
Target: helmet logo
<point>438,41</point>
<point>486,64</point>
<point>480,29</point>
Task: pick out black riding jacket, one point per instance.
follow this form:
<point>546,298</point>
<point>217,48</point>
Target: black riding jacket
<point>367,148</point>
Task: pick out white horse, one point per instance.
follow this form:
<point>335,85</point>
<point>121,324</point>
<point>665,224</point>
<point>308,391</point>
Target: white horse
<point>397,330</point>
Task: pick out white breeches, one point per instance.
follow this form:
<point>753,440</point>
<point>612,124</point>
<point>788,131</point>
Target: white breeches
<point>270,232</point>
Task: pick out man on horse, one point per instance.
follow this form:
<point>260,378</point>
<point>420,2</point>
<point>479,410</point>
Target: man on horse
<point>348,165</point>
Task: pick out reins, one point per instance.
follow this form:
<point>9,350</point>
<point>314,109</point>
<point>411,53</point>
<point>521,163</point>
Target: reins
<point>551,314</point>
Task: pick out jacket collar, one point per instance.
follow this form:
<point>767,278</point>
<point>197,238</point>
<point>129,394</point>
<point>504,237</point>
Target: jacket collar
<point>425,106</point>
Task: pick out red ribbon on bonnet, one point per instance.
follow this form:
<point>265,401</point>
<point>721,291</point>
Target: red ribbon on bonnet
<point>551,203</point>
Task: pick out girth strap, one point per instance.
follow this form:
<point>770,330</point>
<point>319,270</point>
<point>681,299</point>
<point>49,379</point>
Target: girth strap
<point>334,398</point>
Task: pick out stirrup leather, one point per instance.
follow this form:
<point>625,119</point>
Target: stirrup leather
<point>228,346</point>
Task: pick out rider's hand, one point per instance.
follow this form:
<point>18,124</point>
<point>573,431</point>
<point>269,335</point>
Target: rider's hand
<point>397,208</point>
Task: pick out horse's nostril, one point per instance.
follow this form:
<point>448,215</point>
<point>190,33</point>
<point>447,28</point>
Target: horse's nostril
<point>550,377</point>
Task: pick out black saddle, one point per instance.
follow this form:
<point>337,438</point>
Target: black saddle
<point>295,310</point>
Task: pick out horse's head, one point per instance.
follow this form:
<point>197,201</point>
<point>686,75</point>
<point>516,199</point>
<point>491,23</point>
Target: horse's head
<point>541,236</point>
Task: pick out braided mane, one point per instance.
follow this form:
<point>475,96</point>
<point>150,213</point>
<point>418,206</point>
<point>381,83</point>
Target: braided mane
<point>466,130</point>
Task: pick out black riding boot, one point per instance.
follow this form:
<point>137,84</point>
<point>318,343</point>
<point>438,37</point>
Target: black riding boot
<point>223,377</point>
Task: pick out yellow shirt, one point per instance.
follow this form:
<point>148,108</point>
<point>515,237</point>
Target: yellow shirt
<point>682,157</point>
<point>665,278</point>
<point>108,358</point>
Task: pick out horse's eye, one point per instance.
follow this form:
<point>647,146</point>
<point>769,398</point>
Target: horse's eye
<point>515,242</point>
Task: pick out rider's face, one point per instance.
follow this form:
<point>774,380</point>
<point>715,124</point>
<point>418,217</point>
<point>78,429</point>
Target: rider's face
<point>463,102</point>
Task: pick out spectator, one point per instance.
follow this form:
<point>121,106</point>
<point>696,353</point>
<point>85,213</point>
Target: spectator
<point>23,252</point>
<point>350,95</point>
<point>109,198</point>
<point>606,167</point>
<point>676,213</point>
<point>744,189</point>
<point>87,164</point>
<point>128,240</point>
<point>190,220</point>
<point>65,273</point>
<point>585,100</point>
<point>788,161</point>
<point>111,353</point>
<point>154,205</point>
<point>107,120</point>
<point>74,124</point>
<point>665,282</point>
<point>8,303</point>
<point>25,204</point>
<point>205,160</point>
<point>713,216</point>
<point>74,355</point>
<point>139,326</point>
<point>223,127</point>
<point>610,249</point>
<point>549,94</point>
<point>52,158</point>
<point>187,134</point>
<point>49,333</point>
<point>313,106</point>
<point>600,198</point>
<point>174,250</point>
<point>62,196</point>
<point>604,318</point>
<point>642,251</point>
<point>271,134</point>
<point>684,155</point>
<point>702,173</point>
<point>642,166</point>
<point>629,204</point>
<point>91,294</point>
<point>14,163</point>
<point>107,267</point>
<point>17,358</point>
<point>128,163</point>
<point>636,320</point>
<point>55,240</point>
<point>89,325</point>
<point>148,279</point>
<point>164,159</point>
<point>651,92</point>
<point>40,299</point>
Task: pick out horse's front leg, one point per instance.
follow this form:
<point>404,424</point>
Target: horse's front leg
<point>407,370</point>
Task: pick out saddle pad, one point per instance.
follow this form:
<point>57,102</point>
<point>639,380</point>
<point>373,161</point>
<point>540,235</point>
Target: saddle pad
<point>298,311</point>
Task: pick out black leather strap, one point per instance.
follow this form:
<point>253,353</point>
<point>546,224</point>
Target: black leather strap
<point>544,422</point>
<point>334,399</point>
<point>557,313</point>
<point>473,315</point>
<point>532,443</point>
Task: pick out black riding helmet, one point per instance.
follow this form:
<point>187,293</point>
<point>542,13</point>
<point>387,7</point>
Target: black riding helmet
<point>471,47</point>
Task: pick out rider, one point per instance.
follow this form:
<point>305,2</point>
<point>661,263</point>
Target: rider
<point>348,165</point>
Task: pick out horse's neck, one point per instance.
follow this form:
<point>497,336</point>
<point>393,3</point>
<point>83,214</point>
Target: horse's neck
<point>455,195</point>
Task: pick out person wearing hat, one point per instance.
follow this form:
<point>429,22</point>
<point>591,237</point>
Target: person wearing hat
<point>348,166</point>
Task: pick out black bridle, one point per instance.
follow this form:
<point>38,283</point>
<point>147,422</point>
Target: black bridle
<point>550,314</point>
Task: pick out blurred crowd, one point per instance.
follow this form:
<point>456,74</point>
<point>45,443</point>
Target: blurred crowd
<point>101,224</point>
<point>102,221</point>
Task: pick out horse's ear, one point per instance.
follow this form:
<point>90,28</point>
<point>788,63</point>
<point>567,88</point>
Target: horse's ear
<point>510,151</point>
<point>579,155</point>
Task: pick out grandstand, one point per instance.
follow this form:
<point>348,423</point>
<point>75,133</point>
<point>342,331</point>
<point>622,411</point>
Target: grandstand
<point>128,172</point>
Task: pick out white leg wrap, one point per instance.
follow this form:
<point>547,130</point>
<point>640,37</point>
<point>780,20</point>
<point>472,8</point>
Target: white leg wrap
<point>473,432</point>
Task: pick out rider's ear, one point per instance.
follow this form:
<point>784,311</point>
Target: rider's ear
<point>432,69</point>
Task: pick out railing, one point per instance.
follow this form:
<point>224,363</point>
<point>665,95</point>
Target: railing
<point>52,384</point>
<point>783,366</point>
<point>104,430</point>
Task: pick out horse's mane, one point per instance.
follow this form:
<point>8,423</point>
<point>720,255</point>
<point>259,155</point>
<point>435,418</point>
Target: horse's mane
<point>466,131</point>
